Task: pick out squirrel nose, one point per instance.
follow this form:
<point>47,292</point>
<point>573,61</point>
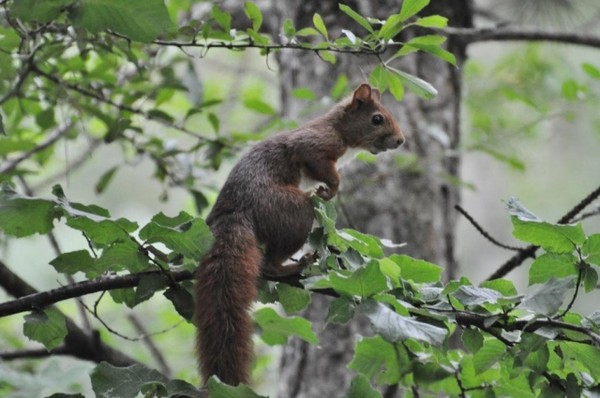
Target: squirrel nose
<point>399,141</point>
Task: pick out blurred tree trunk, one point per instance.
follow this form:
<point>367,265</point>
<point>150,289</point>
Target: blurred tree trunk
<point>413,205</point>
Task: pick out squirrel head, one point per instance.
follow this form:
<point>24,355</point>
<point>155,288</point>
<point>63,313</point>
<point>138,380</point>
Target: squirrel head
<point>365,123</point>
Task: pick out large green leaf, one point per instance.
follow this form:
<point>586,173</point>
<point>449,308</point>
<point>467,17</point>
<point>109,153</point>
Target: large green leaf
<point>552,237</point>
<point>548,298</point>
<point>276,329</point>
<point>491,351</point>
<point>377,358</point>
<point>183,234</point>
<point>109,381</point>
<point>586,354</point>
<point>364,282</point>
<point>361,388</point>
<point>395,327</point>
<point>47,327</point>
<point>591,249</point>
<point>73,262</point>
<point>22,216</point>
<point>217,389</point>
<point>140,20</point>
<point>419,271</point>
<point>40,11</point>
<point>552,265</point>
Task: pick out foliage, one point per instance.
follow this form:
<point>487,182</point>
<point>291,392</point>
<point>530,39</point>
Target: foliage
<point>110,73</point>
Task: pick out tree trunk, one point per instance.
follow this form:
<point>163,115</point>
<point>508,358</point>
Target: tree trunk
<point>412,205</point>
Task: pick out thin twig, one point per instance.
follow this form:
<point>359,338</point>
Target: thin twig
<point>154,351</point>
<point>483,232</point>
<point>57,134</point>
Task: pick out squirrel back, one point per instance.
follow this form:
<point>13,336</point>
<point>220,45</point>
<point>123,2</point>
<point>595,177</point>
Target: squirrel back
<point>262,216</point>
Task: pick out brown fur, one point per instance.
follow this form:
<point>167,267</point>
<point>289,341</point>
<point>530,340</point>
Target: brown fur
<point>261,218</point>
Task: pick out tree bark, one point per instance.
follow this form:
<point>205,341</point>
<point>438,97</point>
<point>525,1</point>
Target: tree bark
<point>413,205</point>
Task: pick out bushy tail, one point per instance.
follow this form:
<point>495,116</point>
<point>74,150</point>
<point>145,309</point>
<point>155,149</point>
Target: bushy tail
<point>225,290</point>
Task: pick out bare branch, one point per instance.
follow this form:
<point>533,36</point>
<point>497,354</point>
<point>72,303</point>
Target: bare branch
<point>475,35</point>
<point>483,232</point>
<point>57,134</point>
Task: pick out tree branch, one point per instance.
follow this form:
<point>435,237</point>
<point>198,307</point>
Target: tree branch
<point>77,343</point>
<point>475,35</point>
<point>57,134</point>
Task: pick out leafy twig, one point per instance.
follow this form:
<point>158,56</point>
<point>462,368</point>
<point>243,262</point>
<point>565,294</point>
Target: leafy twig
<point>529,251</point>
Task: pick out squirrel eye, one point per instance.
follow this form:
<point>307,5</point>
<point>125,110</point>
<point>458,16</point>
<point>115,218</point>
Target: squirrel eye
<point>377,119</point>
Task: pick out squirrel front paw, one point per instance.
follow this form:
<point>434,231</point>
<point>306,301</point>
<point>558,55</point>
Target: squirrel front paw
<point>325,193</point>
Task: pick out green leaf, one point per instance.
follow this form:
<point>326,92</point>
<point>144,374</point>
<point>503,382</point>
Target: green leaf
<point>255,15</point>
<point>419,271</point>
<point>182,300</point>
<point>328,56</point>
<point>392,26</point>
<point>40,11</point>
<point>590,279</point>
<point>586,354</point>
<point>260,106</point>
<point>217,389</point>
<point>411,7</point>
<point>105,179</point>
<point>552,237</point>
<point>552,265</point>
<point>277,329</point>
<point>22,216</point>
<point>223,18</point>
<point>418,86</point>
<point>472,339</point>
<point>379,77</point>
<point>504,286</point>
<point>292,298</point>
<point>362,243</point>
<point>361,388</point>
<point>122,255</point>
<point>364,282</point>
<point>48,327</point>
<point>395,85</point>
<point>304,93</point>
<point>491,351</point>
<point>341,310</point>
<point>547,298</point>
<point>149,284</point>
<point>394,327</point>
<point>591,70</point>
<point>339,88</point>
<point>320,25</point>
<point>432,21</point>
<point>591,249</point>
<point>123,296</point>
<point>357,17</point>
<point>140,20</point>
<point>472,295</point>
<point>182,234</point>
<point>109,381</point>
<point>377,358</point>
<point>73,262</point>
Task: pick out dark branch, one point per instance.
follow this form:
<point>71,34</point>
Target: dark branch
<point>529,251</point>
<point>483,232</point>
<point>469,36</point>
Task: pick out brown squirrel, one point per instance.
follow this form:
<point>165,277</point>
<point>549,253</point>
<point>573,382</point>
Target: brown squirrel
<point>262,217</point>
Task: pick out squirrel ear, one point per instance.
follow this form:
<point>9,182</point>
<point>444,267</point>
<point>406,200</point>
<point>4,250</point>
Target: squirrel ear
<point>376,94</point>
<point>361,95</point>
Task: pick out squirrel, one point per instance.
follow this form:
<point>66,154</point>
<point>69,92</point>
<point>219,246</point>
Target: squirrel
<point>262,216</point>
